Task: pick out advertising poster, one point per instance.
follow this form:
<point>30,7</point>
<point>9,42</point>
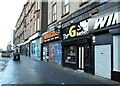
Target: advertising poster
<point>58,53</point>
<point>51,52</point>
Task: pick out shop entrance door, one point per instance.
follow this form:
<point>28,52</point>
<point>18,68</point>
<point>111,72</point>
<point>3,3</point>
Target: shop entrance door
<point>81,58</point>
<point>87,58</point>
<point>84,58</point>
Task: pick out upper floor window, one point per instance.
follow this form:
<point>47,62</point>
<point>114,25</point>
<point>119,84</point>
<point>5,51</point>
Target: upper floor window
<point>38,5</point>
<point>65,7</point>
<point>31,16</point>
<point>54,12</point>
<point>35,26</point>
<point>38,24</point>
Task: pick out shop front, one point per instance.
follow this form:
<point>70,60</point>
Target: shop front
<point>76,46</point>
<point>34,47</point>
<point>55,52</point>
<point>52,50</point>
<point>27,49</point>
<point>105,28</point>
<point>22,50</point>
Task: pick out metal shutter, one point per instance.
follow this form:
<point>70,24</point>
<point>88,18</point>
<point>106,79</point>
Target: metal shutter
<point>103,61</point>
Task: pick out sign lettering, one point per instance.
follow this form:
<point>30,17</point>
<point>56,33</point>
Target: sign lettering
<point>77,30</point>
<point>72,31</point>
<point>106,21</point>
<point>49,36</point>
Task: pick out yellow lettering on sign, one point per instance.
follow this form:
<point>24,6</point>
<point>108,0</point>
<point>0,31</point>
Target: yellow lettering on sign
<point>72,32</point>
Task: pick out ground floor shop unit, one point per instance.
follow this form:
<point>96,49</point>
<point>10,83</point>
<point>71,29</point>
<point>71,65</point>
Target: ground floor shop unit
<point>22,50</point>
<point>77,53</point>
<point>32,46</point>
<point>77,44</point>
<point>106,55</point>
<point>52,52</point>
<point>106,46</point>
<point>27,49</point>
<point>102,47</point>
<point>51,47</point>
<point>35,48</point>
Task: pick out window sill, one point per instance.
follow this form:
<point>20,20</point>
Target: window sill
<point>54,21</point>
<point>64,15</point>
<point>83,3</point>
<point>37,10</point>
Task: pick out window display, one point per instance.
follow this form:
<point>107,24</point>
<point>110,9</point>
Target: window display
<point>71,55</point>
<point>51,52</point>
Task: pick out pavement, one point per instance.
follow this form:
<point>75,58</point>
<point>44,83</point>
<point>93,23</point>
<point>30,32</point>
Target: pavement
<point>31,71</point>
<point>3,64</point>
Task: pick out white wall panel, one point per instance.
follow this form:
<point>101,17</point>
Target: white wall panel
<point>116,53</point>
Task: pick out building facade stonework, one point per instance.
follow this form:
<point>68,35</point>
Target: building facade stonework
<point>29,28</point>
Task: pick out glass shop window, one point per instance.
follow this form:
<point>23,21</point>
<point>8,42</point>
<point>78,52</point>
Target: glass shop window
<point>71,54</point>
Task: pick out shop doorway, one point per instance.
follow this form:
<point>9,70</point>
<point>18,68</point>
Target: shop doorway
<point>84,58</point>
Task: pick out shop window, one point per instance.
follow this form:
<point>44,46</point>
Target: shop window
<point>33,47</point>
<point>71,54</point>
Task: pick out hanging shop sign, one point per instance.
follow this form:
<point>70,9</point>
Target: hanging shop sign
<point>50,36</point>
<point>75,30</point>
